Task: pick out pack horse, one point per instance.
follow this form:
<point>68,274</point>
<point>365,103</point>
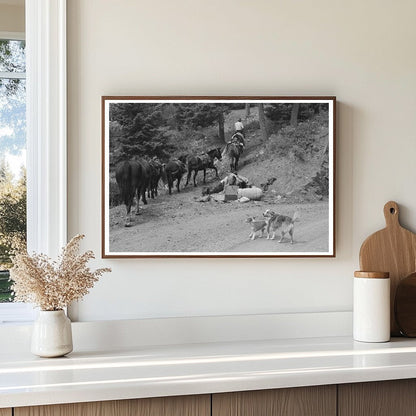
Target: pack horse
<point>171,172</point>
<point>203,162</point>
<point>133,180</point>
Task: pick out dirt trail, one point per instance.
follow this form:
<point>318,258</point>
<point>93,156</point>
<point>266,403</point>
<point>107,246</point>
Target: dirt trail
<point>178,223</point>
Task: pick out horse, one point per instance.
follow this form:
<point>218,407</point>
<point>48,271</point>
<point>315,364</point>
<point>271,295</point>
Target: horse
<point>155,175</point>
<point>233,150</point>
<point>147,176</point>
<point>132,179</point>
<point>183,158</point>
<point>203,162</point>
<point>173,170</point>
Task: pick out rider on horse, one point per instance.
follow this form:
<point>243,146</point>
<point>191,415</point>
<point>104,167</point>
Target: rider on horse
<point>239,127</point>
<point>238,137</point>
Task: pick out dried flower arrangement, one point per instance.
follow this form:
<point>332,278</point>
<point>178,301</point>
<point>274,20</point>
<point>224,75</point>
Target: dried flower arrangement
<point>53,285</point>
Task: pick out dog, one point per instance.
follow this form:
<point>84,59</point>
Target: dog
<point>279,223</point>
<point>256,226</point>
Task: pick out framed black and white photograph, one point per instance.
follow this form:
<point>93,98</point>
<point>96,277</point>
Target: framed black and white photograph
<point>218,176</point>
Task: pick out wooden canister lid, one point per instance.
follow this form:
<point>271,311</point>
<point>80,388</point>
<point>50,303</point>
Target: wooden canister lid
<point>372,275</point>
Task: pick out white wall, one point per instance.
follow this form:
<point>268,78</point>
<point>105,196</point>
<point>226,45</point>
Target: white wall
<point>361,51</point>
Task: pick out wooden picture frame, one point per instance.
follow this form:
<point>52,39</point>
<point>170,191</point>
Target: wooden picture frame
<point>275,159</point>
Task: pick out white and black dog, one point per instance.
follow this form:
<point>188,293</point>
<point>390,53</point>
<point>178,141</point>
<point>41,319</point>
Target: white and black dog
<point>279,223</point>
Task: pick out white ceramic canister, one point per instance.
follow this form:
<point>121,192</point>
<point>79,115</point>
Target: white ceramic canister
<point>371,322</point>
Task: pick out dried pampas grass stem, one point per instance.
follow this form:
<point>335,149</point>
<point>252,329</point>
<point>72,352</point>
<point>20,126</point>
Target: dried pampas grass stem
<point>53,285</point>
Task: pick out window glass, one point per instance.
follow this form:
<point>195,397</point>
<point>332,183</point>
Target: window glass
<point>12,56</point>
<point>12,156</point>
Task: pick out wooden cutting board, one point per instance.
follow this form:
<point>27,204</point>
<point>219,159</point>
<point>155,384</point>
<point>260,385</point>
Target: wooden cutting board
<point>405,305</point>
<point>393,250</point>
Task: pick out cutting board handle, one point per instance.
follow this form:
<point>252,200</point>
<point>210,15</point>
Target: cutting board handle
<point>391,214</point>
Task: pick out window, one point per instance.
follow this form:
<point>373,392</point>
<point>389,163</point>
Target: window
<point>12,165</point>
<point>46,133</point>
<point>12,154</point>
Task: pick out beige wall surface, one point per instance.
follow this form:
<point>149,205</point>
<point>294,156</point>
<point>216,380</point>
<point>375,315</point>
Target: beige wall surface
<point>12,18</point>
<point>363,52</point>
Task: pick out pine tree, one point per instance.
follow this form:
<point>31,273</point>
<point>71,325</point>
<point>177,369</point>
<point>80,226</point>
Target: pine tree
<point>143,131</point>
<point>262,122</point>
<point>202,115</point>
<point>12,213</point>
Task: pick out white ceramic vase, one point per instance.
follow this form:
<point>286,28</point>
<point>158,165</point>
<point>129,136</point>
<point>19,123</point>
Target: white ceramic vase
<point>52,334</point>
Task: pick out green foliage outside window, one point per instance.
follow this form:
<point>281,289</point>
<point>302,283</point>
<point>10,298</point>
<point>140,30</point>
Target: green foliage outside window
<point>12,148</point>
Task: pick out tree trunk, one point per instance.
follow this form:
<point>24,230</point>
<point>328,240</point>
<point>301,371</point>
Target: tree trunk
<point>247,110</point>
<point>262,121</point>
<point>294,115</point>
<point>221,132</point>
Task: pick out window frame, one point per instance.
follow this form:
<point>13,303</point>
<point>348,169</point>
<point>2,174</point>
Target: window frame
<point>46,125</point>
<point>46,137</point>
